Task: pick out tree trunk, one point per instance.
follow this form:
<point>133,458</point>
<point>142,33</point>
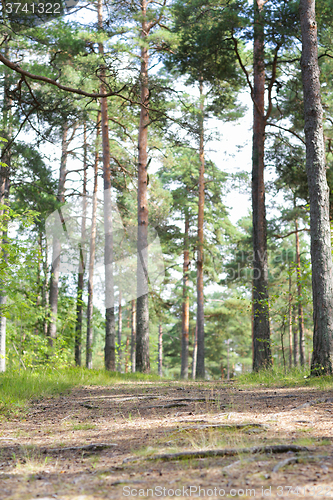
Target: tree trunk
<point>321,255</point>
<point>200,370</point>
<point>120,327</point>
<point>110,327</point>
<point>142,315</point>
<point>45,295</point>
<point>160,351</point>
<point>261,330</point>
<point>290,322</point>
<point>82,257</point>
<point>92,251</point>
<point>195,351</point>
<point>300,299</point>
<point>186,303</point>
<point>56,249</point>
<point>296,351</point>
<point>133,335</point>
<point>4,200</point>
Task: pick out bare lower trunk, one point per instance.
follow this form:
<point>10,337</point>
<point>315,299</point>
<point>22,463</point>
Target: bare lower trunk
<point>200,370</point>
<point>4,200</point>
<point>290,322</point>
<point>186,304</point>
<point>80,281</point>
<point>56,248</point>
<point>261,330</point>
<point>194,355</point>
<point>160,351</point>
<point>126,353</point>
<point>110,327</point>
<point>321,254</point>
<point>120,327</point>
<point>300,299</point>
<point>142,306</point>
<point>92,251</point>
<point>296,351</point>
<point>45,295</point>
<point>133,335</point>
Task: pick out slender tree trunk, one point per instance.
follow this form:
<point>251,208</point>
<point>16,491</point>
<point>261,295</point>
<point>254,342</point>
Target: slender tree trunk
<point>300,299</point>
<point>296,351</point>
<point>82,256</point>
<point>4,200</point>
<point>110,326</point>
<point>45,295</point>
<point>195,351</point>
<point>200,371</point>
<point>186,303</point>
<point>142,307</point>
<point>290,321</point>
<point>56,249</point>
<point>160,351</point>
<point>321,254</point>
<point>261,329</point>
<point>120,328</point>
<point>92,252</point>
<point>133,336</point>
<point>126,353</point>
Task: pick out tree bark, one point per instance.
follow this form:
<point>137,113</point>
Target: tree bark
<point>185,304</point>
<point>56,248</point>
<point>92,251</point>
<point>200,369</point>
<point>110,327</point>
<point>160,351</point>
<point>300,299</point>
<point>4,200</point>
<point>133,335</point>
<point>321,256</point>
<point>290,321</point>
<point>296,350</point>
<point>120,327</point>
<point>261,330</point>
<point>80,281</point>
<point>142,308</point>
<point>195,351</point>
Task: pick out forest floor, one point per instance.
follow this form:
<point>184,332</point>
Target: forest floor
<point>99,442</point>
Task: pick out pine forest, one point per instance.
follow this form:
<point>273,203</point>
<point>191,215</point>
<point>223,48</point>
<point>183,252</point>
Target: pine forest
<point>119,185</point>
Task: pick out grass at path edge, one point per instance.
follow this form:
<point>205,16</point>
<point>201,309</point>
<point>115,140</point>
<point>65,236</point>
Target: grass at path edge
<point>18,388</point>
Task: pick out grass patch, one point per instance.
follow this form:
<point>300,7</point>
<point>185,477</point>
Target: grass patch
<point>83,427</point>
<point>277,377</point>
<point>18,388</point>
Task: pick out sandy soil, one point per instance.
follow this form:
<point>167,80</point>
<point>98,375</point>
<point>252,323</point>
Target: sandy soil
<point>99,442</point>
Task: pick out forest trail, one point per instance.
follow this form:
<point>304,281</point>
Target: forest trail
<point>98,443</point>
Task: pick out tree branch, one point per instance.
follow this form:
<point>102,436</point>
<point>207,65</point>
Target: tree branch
<point>286,130</point>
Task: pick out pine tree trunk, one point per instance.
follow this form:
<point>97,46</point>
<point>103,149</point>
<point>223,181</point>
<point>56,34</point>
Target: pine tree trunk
<point>290,321</point>
<point>300,299</point>
<point>5,171</point>
<point>261,330</point>
<point>296,351</point>
<point>195,351</point>
<point>92,252</point>
<point>142,307</point>
<point>200,369</point>
<point>80,281</point>
<point>160,351</point>
<point>133,336</point>
<point>321,255</point>
<point>110,326</point>
<point>56,248</point>
<point>45,295</point>
<point>186,304</point>
<point>120,328</point>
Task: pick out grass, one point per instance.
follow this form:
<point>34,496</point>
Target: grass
<point>17,388</point>
<point>277,377</point>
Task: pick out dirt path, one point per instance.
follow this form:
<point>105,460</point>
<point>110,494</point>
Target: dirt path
<point>98,442</point>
